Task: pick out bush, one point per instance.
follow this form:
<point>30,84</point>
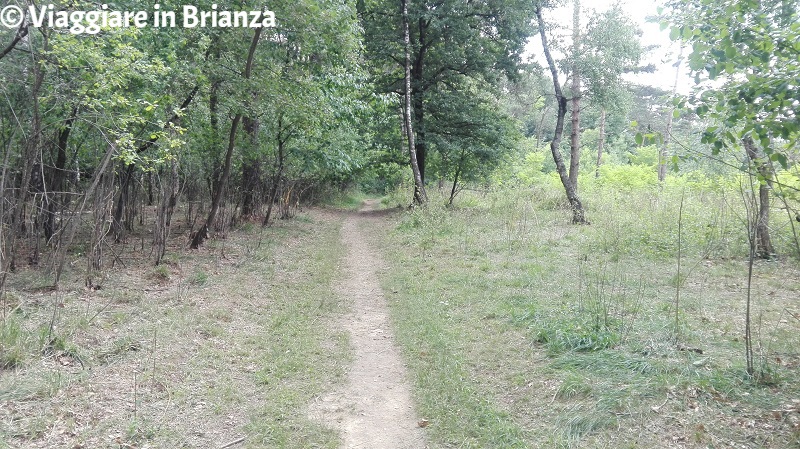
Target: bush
<point>628,177</point>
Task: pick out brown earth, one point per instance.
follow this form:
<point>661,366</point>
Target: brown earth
<point>374,409</point>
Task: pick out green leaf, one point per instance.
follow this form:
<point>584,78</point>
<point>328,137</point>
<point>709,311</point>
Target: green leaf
<point>781,159</point>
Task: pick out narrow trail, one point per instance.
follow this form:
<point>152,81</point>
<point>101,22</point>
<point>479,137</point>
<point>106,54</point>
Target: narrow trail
<point>374,409</point>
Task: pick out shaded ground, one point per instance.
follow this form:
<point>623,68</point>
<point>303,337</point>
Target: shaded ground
<point>374,409</point>
<point>221,347</point>
<point>274,338</point>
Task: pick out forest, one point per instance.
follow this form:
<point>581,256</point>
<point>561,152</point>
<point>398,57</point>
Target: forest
<point>569,257</point>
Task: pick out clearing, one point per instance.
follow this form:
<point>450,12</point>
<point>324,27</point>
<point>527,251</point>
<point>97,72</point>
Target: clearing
<point>489,325</point>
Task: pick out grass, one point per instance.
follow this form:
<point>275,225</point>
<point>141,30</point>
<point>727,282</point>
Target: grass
<point>231,341</point>
<point>519,331</point>
<point>345,199</point>
<point>523,331</point>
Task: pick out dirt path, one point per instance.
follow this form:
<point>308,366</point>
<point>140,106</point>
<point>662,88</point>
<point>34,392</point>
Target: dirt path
<point>374,409</point>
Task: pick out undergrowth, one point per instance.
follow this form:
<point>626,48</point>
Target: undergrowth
<point>229,342</point>
<point>564,336</point>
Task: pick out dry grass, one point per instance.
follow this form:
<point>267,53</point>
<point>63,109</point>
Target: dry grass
<point>524,331</point>
<point>224,343</point>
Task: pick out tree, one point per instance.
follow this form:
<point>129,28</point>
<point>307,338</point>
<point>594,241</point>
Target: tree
<point>749,52</point>
<point>449,40</point>
<point>202,233</point>
<point>662,154</point>
<point>575,131</point>
<point>609,48</point>
<point>420,197</point>
<point>578,214</point>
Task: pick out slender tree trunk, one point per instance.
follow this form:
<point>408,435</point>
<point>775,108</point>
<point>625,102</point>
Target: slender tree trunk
<point>202,233</point>
<point>57,176</point>
<point>74,218</point>
<point>539,129</point>
<point>103,200</point>
<point>420,196</point>
<point>420,137</point>
<point>454,191</point>
<point>601,142</point>
<point>662,154</point>
<point>7,239</point>
<point>118,223</point>
<point>575,132</point>
<point>169,199</point>
<point>219,191</point>
<point>251,169</point>
<point>251,180</point>
<point>578,215</point>
<point>764,248</point>
<point>32,149</point>
<point>276,180</point>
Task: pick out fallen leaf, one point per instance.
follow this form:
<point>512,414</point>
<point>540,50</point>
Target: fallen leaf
<point>423,423</point>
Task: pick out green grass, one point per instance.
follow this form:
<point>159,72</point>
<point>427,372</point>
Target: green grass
<point>345,199</point>
<point>14,343</point>
<point>524,331</point>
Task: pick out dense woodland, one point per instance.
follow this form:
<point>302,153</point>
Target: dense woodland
<point>248,123</point>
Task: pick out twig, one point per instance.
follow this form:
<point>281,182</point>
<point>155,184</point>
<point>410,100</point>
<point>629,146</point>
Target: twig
<point>100,311</point>
<point>678,280</point>
<point>233,443</point>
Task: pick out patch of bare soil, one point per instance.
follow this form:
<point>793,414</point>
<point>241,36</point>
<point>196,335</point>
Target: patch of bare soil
<point>374,409</point>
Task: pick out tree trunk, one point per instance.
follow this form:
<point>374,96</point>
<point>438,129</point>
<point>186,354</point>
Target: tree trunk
<point>251,170</point>
<point>202,233</point>
<point>118,224</point>
<point>539,129</point>
<point>57,176</point>
<point>7,239</point>
<point>578,215</point>
<point>416,152</point>
<point>103,200</point>
<point>454,191</point>
<point>276,180</point>
<point>764,248</point>
<point>251,180</point>
<point>32,148</point>
<point>169,199</point>
<point>662,154</point>
<point>601,142</point>
<point>575,132</point>
<point>73,223</point>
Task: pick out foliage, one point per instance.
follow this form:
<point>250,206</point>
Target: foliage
<point>459,52</point>
<point>744,56</point>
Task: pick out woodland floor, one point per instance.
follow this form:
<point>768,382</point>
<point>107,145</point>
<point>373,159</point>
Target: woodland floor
<point>276,338</point>
<point>370,329</point>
